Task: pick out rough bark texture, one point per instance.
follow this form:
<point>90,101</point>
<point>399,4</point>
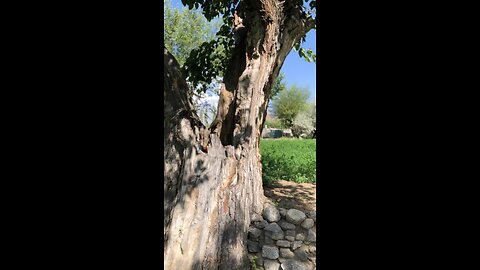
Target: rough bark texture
<point>211,195</point>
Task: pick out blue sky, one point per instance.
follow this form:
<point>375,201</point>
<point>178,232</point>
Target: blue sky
<point>297,70</point>
<point>300,72</point>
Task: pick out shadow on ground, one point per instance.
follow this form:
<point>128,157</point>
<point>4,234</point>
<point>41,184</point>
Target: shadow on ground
<point>285,194</point>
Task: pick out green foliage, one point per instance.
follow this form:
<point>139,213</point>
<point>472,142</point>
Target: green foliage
<point>305,121</point>
<point>185,30</point>
<point>308,55</point>
<point>288,159</point>
<point>273,123</point>
<point>254,263</point>
<point>289,103</point>
<point>213,8</point>
<point>210,60</point>
<point>309,12</point>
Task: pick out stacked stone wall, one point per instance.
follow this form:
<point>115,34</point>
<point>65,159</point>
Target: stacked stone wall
<point>283,239</point>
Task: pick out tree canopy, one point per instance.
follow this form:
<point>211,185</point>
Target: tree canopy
<point>185,30</point>
<point>305,121</point>
<point>205,63</point>
<point>289,103</point>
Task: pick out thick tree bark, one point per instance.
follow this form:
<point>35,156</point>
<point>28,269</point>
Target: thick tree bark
<point>212,195</point>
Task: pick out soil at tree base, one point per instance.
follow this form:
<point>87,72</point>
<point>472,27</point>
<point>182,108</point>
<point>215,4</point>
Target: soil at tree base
<point>286,194</point>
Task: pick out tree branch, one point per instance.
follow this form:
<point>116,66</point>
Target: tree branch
<point>309,24</point>
<point>175,92</point>
<point>178,104</point>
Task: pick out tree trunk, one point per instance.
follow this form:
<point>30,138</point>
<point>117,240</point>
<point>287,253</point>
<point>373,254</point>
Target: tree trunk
<point>213,184</point>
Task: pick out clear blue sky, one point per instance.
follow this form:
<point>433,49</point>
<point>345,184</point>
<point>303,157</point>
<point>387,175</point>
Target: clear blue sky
<point>300,72</point>
<point>297,70</point>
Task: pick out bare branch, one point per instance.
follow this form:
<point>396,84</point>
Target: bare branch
<point>178,103</point>
<point>175,91</point>
<point>310,24</point>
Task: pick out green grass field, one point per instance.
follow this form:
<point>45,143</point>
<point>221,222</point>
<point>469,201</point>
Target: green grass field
<point>288,159</point>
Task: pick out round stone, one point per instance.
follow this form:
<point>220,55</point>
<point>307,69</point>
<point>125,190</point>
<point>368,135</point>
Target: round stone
<point>286,253</point>
<point>271,214</point>
<point>312,215</point>
<point>286,225</point>
<point>274,231</point>
<point>271,265</point>
<point>292,264</point>
<point>296,244</point>
<point>295,216</point>
<point>290,238</point>
<point>290,233</point>
<point>270,252</point>
<point>283,243</point>
<point>268,240</point>
<point>253,246</point>
<point>300,237</point>
<point>307,223</point>
<point>260,224</point>
<point>301,253</point>
<point>254,232</point>
<point>312,236</point>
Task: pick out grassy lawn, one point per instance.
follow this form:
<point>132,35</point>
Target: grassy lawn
<point>288,159</point>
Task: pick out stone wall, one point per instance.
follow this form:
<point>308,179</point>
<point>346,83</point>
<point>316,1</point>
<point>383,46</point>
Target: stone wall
<point>283,239</point>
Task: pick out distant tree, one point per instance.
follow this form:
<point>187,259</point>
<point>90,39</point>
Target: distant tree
<point>205,105</point>
<point>206,111</point>
<point>289,103</point>
<point>278,86</point>
<point>185,30</point>
<point>305,121</point>
<point>273,123</point>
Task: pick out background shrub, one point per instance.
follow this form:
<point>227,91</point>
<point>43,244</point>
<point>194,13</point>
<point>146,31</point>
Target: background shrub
<point>273,123</point>
<point>305,121</point>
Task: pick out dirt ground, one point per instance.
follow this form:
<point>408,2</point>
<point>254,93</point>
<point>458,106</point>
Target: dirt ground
<point>284,194</point>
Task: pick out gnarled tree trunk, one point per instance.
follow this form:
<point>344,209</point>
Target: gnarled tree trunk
<point>213,183</point>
